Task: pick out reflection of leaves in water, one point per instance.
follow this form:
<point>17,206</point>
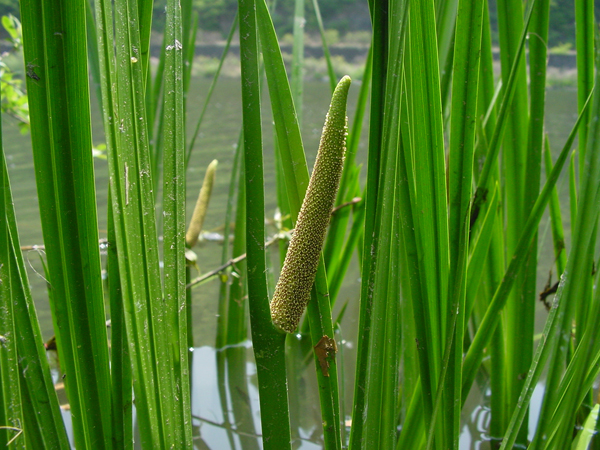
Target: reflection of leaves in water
<point>244,395</point>
<point>200,444</point>
<point>225,426</point>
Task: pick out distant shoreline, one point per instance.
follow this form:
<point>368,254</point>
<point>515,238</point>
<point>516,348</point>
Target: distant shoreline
<point>351,52</point>
<point>349,59</point>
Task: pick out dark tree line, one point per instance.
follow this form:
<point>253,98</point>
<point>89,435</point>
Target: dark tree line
<point>342,15</point>
<point>353,15</point>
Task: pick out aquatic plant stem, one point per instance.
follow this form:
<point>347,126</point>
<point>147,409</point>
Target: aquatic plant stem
<point>268,343</point>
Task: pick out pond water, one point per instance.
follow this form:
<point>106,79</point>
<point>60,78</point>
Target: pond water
<point>240,428</point>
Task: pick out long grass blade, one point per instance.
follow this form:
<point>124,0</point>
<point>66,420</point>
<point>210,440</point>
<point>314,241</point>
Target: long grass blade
<point>120,363</point>
<point>61,136</point>
<point>237,328</point>
<point>491,319</point>
<point>326,53</point>
<point>446,24</point>
<point>558,233</point>
<point>577,273</point>
<point>379,46</point>
<point>496,138</point>
<point>382,358</point>
<point>211,89</point>
<point>269,344</point>
<point>336,258</point>
<point>296,176</point>
<point>11,414</point>
<point>298,59</point>
<point>479,250</point>
<point>135,228</point>
<point>465,87</point>
<point>42,421</point>
<point>289,140</point>
<point>585,435</point>
<point>426,160</point>
<point>176,391</point>
<point>584,42</point>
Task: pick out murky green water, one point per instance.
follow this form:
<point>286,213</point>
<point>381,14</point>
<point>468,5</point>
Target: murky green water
<point>217,140</point>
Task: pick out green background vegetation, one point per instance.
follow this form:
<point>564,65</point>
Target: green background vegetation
<point>444,224</point>
<point>342,15</point>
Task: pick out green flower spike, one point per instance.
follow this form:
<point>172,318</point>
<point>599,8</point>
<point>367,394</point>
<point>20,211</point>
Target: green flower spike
<point>292,292</point>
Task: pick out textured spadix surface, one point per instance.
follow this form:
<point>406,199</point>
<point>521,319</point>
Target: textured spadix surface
<point>197,221</point>
<point>292,292</point>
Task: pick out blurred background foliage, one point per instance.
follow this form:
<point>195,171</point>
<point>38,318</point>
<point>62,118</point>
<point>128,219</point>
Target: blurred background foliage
<point>352,16</point>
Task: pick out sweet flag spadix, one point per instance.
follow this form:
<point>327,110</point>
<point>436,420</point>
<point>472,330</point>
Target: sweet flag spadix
<point>292,292</point>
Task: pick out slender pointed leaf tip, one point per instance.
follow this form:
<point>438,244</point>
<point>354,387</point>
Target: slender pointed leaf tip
<point>292,292</point>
